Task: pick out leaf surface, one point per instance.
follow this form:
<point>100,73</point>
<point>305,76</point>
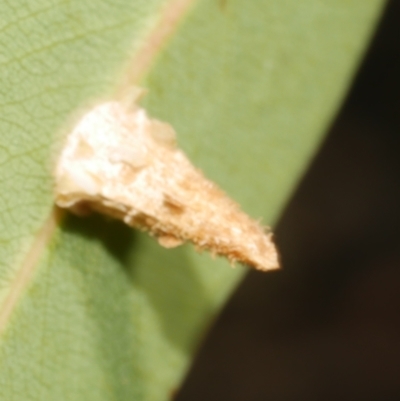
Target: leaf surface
<point>90,309</point>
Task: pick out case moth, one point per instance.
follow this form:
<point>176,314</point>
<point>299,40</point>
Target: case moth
<point>122,163</point>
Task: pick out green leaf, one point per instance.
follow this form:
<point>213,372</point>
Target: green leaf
<point>90,309</point>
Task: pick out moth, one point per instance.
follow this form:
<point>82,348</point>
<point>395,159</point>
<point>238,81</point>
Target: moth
<point>120,162</point>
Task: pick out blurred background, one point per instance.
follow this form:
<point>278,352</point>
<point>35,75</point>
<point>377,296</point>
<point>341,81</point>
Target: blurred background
<point>327,326</point>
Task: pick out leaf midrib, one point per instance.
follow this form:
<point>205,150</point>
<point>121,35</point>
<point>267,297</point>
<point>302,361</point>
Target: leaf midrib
<point>140,64</point>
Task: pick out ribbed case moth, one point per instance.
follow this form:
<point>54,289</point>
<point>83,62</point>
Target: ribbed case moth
<point>120,162</point>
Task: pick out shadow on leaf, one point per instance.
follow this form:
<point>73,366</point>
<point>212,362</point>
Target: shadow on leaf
<point>166,277</point>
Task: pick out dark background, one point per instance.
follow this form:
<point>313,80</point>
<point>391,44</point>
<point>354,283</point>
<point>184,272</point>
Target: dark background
<point>327,326</point>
